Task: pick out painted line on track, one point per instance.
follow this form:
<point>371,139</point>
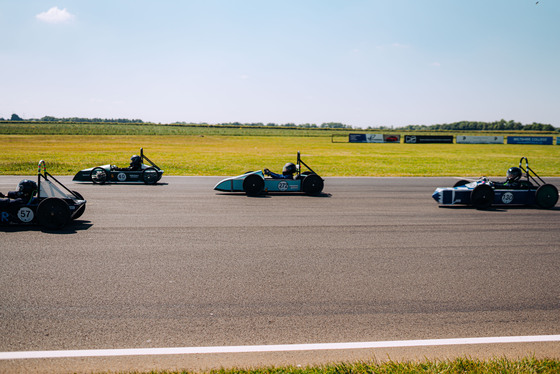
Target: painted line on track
<point>274,348</point>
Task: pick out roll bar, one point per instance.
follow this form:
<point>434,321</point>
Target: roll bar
<point>527,170</point>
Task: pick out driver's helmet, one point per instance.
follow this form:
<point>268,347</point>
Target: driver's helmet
<point>135,161</point>
<point>26,189</point>
<point>513,174</point>
<point>289,168</point>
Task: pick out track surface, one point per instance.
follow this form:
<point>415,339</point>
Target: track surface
<point>179,265</point>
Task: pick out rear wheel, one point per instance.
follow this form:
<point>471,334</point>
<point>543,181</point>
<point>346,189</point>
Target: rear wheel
<point>98,175</point>
<point>312,184</point>
<point>546,196</point>
<point>82,207</point>
<point>150,176</point>
<point>482,196</point>
<point>53,213</point>
<point>461,182</point>
<point>253,185</point>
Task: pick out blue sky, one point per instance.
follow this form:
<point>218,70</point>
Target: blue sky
<point>362,63</point>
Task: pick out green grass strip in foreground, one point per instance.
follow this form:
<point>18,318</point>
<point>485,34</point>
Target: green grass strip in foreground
<point>458,366</point>
<point>233,155</point>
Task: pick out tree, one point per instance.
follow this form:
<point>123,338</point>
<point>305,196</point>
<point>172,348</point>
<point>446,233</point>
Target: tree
<point>15,117</point>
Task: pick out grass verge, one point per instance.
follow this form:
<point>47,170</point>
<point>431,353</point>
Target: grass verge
<point>232,155</point>
<point>456,366</point>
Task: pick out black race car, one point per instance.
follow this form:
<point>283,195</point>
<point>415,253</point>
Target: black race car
<point>138,171</point>
<point>48,203</point>
<point>483,193</point>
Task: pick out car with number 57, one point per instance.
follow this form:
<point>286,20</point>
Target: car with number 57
<point>47,203</point>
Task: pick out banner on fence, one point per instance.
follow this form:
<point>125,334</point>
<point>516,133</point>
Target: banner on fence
<point>465,139</point>
<point>416,139</point>
<point>373,138</point>
<point>541,140</point>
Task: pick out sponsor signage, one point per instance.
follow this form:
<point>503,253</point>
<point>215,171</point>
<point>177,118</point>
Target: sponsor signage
<point>463,139</point>
<point>417,139</point>
<point>373,138</point>
<point>542,140</point>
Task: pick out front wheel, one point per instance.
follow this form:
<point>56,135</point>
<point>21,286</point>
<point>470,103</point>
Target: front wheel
<point>546,196</point>
<point>53,213</point>
<point>312,184</point>
<point>98,175</point>
<point>482,196</point>
<point>253,185</point>
<point>150,176</point>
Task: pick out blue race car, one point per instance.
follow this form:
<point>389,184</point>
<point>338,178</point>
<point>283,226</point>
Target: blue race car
<point>47,203</point>
<point>254,183</point>
<point>483,193</point>
<point>136,172</point>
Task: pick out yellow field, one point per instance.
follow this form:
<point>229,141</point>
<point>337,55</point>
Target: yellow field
<point>231,155</point>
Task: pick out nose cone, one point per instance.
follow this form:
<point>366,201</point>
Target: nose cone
<point>437,195</point>
<point>225,185</point>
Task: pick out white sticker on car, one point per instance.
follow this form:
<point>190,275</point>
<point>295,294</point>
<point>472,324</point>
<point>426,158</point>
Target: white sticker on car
<point>283,186</point>
<point>25,214</point>
<point>121,177</point>
<point>507,198</point>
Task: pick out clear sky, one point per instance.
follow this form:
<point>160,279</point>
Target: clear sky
<point>359,62</point>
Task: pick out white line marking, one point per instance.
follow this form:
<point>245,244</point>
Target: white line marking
<point>274,348</point>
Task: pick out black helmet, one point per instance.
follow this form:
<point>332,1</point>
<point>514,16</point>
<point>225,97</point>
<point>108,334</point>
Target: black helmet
<point>289,168</point>
<point>135,160</point>
<point>26,189</point>
<point>513,174</point>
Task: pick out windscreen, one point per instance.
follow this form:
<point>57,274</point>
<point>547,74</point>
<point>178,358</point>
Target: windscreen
<point>49,189</point>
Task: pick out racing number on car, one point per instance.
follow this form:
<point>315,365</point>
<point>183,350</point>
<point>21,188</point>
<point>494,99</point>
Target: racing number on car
<point>25,214</point>
<point>507,198</point>
<point>283,186</point>
<point>121,177</point>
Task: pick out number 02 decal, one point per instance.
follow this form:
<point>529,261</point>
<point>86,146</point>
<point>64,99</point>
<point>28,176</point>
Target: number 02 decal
<point>25,215</point>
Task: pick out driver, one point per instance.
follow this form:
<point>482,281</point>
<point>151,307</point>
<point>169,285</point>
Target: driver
<point>135,163</point>
<point>25,191</point>
<point>513,177</point>
<point>287,172</point>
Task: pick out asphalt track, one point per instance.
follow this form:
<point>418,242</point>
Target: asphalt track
<point>372,259</point>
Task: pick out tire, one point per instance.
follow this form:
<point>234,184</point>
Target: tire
<point>82,208</point>
<point>312,184</point>
<point>150,176</point>
<point>546,196</point>
<point>253,185</point>
<point>98,175</point>
<point>482,196</point>
<point>53,213</point>
<point>461,182</point>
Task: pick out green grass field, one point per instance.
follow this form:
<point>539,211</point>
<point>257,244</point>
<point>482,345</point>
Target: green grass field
<point>231,155</point>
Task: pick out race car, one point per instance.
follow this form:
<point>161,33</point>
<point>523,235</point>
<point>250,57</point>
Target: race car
<point>48,203</point>
<point>254,183</point>
<point>136,172</point>
<point>483,193</point>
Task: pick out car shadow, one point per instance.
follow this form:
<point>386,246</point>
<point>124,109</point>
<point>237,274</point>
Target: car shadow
<point>497,208</point>
<point>72,228</point>
<point>269,195</point>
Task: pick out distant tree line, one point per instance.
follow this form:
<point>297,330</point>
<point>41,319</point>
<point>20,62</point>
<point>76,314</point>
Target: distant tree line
<point>501,125</point>
<point>15,117</point>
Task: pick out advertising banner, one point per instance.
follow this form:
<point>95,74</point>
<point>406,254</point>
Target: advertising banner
<point>417,139</point>
<point>541,140</point>
<point>465,139</point>
<point>373,138</point>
